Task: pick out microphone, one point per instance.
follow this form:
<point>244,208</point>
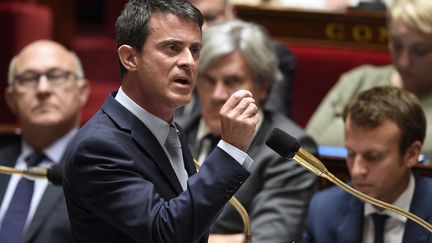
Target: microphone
<point>288,147</point>
<point>53,174</point>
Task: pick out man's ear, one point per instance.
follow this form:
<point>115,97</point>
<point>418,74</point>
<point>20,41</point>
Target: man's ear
<point>232,13</point>
<point>84,87</point>
<point>412,154</point>
<point>9,97</point>
<point>127,56</point>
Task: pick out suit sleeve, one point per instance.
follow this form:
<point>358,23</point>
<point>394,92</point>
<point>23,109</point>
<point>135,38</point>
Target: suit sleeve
<point>110,184</point>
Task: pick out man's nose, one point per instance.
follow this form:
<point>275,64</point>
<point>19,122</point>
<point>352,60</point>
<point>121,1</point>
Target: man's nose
<point>220,91</point>
<point>358,167</point>
<point>43,83</point>
<point>187,60</point>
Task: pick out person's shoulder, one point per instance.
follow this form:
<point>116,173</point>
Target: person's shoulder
<point>362,78</point>
<point>367,70</point>
<point>330,194</point>
<point>10,149</point>
<point>284,123</point>
<point>331,199</point>
<point>424,182</point>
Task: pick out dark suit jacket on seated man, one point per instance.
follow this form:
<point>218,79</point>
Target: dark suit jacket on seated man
<point>238,55</point>
<point>46,92</point>
<point>123,182</point>
<point>384,131</point>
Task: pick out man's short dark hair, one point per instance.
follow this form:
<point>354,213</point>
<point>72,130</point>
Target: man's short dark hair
<point>373,106</point>
<point>132,26</point>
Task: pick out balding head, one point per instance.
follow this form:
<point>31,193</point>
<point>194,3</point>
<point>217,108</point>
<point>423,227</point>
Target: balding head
<point>34,56</point>
<point>46,91</point>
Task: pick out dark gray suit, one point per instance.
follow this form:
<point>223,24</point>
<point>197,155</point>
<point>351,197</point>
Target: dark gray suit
<point>277,193</point>
<point>50,223</point>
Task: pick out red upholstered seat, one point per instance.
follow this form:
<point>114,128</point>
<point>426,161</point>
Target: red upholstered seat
<point>319,68</point>
<point>99,93</point>
<point>21,22</point>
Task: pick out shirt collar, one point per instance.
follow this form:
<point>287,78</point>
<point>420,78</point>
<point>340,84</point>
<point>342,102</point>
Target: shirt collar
<point>153,122</point>
<point>55,151</point>
<point>403,202</point>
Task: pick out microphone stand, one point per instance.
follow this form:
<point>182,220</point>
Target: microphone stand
<point>31,173</point>
<point>241,210</point>
<point>309,161</point>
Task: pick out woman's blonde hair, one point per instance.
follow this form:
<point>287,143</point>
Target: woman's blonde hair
<point>416,13</point>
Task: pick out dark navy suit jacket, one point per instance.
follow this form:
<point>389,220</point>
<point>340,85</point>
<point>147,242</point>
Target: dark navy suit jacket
<point>120,186</point>
<point>337,217</point>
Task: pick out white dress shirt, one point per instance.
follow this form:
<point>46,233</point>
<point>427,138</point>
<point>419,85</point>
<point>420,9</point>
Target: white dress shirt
<point>395,224</point>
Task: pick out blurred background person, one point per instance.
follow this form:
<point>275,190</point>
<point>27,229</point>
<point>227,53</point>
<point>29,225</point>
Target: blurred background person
<point>238,55</point>
<point>46,92</point>
<point>410,46</point>
<point>334,5</point>
<point>384,132</point>
<point>280,97</point>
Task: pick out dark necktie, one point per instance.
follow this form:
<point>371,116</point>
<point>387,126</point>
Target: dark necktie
<point>16,215</point>
<point>379,223</point>
<point>173,146</point>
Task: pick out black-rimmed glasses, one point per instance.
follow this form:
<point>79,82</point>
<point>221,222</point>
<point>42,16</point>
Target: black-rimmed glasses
<point>55,76</point>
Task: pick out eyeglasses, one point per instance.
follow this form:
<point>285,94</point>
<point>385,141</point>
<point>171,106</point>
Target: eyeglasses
<point>55,76</point>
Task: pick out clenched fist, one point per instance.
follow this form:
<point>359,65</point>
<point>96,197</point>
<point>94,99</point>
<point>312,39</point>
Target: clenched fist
<point>239,118</point>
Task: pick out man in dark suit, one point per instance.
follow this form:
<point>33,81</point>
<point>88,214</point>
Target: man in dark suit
<point>238,55</point>
<point>46,92</point>
<point>384,131</point>
<point>129,174</point>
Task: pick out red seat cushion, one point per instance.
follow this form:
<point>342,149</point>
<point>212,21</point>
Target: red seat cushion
<point>21,23</point>
<point>319,68</point>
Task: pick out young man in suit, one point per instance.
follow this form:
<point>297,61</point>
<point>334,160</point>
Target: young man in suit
<point>384,132</point>
<point>129,175</point>
<point>46,92</point>
<point>238,55</point>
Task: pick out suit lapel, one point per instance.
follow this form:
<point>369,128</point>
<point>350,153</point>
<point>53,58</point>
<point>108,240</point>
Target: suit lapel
<point>351,226</point>
<point>414,233</point>
<point>144,137</point>
<point>48,202</point>
<point>8,158</point>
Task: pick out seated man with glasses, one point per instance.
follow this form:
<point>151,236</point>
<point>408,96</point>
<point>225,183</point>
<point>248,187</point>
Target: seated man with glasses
<point>46,91</point>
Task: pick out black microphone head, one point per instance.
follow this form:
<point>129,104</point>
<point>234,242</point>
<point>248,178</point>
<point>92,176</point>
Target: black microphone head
<point>55,174</point>
<point>283,143</point>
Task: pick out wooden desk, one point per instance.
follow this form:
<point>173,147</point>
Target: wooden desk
<point>337,166</point>
<point>351,28</point>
